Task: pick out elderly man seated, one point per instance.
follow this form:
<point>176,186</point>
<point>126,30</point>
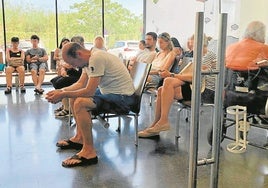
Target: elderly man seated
<point>246,54</point>
<point>243,61</point>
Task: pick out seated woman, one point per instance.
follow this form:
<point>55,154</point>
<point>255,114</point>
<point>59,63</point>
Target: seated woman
<point>162,61</point>
<point>178,53</point>
<point>178,50</point>
<point>99,43</point>
<point>68,76</point>
<point>177,86</point>
<point>57,55</point>
<point>15,58</point>
<point>190,45</point>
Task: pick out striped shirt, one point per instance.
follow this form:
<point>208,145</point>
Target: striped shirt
<point>209,60</point>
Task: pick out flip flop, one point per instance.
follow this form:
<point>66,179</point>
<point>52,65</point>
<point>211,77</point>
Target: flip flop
<point>70,145</point>
<point>82,161</point>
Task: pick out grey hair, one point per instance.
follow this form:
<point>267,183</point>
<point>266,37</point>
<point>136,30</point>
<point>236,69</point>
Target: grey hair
<point>255,31</point>
<point>78,39</point>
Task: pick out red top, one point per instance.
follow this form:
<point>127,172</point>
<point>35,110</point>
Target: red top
<point>243,55</point>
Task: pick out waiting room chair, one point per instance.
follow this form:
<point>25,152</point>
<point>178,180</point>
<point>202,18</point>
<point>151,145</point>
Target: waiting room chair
<point>186,105</point>
<point>139,74</point>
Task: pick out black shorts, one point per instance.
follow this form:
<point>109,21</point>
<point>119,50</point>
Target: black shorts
<point>186,92</point>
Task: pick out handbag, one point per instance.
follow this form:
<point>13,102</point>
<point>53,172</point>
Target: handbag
<point>16,62</point>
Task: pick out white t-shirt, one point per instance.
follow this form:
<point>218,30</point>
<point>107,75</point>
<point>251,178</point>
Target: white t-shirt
<point>145,56</point>
<point>115,77</point>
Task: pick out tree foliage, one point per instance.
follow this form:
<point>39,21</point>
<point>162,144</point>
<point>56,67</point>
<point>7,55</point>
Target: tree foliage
<point>83,18</point>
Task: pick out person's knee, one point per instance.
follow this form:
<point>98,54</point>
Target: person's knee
<point>167,82</point>
<point>9,70</point>
<point>21,70</point>
<point>83,104</point>
<point>33,71</point>
<point>159,90</point>
<point>42,71</point>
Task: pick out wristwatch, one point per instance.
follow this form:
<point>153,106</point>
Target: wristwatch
<point>172,75</point>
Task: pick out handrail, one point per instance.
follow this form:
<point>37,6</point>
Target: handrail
<point>218,103</point>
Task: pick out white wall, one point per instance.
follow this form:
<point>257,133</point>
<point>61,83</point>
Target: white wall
<point>254,10</point>
<point>177,17</point>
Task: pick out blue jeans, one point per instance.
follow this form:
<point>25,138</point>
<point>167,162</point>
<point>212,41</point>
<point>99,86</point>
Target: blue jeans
<point>113,103</point>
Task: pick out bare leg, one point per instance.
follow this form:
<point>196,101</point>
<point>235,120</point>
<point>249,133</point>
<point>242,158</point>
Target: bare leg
<point>41,78</point>
<point>34,77</point>
<point>171,90</point>
<point>65,103</point>
<point>9,71</point>
<point>77,138</point>
<point>82,106</point>
<point>21,71</point>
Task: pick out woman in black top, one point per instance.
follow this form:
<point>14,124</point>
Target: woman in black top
<point>15,58</point>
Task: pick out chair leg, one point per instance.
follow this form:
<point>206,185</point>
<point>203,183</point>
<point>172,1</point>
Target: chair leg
<point>151,100</point>
<point>136,129</point>
<point>119,125</point>
<point>69,115</point>
<point>177,135</point>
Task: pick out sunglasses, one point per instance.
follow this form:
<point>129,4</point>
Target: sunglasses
<point>164,36</point>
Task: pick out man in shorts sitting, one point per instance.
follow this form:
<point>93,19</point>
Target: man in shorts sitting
<point>37,59</point>
<point>105,82</point>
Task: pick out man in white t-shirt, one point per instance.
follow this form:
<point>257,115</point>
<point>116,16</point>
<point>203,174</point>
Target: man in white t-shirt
<point>104,84</point>
<point>147,55</point>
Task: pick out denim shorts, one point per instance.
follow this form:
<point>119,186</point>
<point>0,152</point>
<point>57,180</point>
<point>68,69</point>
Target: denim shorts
<point>113,102</point>
<point>38,65</point>
<point>155,79</point>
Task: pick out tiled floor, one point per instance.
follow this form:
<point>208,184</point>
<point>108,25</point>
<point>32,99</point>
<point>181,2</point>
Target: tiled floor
<point>30,159</point>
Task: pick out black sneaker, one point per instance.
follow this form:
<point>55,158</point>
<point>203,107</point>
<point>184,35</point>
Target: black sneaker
<point>8,90</point>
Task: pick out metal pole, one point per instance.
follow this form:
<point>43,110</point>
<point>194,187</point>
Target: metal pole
<point>4,29</point>
<point>196,97</point>
<point>57,23</point>
<point>144,19</point>
<point>102,15</point>
<point>218,111</point>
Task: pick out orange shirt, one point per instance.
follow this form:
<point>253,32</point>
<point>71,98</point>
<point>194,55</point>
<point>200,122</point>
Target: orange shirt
<point>243,55</point>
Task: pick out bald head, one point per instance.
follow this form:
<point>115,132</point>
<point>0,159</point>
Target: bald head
<point>70,49</point>
<point>74,54</point>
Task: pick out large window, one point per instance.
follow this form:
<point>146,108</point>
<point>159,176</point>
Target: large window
<point>80,18</point>
<point>52,20</point>
<point>24,18</point>
<point>123,21</point>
